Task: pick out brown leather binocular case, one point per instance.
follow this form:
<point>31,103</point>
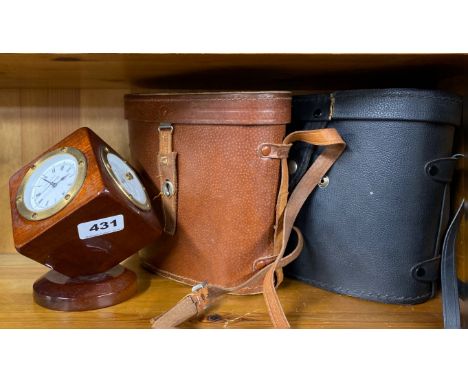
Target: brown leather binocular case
<point>216,168</point>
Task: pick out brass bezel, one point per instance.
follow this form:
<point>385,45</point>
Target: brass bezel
<point>25,212</point>
<point>142,206</point>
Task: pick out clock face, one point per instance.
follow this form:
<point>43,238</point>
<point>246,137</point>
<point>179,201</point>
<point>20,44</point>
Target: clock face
<point>51,183</point>
<point>126,179</point>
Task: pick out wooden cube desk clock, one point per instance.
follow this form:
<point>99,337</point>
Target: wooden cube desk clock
<point>80,209</point>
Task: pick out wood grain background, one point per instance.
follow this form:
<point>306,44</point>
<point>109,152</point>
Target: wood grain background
<point>31,120</point>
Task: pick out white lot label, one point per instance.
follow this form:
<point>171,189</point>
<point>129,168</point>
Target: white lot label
<point>100,227</point>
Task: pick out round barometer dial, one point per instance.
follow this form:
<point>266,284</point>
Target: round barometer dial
<point>126,179</point>
<point>51,183</point>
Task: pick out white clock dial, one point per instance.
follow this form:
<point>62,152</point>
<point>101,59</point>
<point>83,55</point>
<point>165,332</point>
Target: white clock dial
<point>51,183</point>
<point>127,180</point>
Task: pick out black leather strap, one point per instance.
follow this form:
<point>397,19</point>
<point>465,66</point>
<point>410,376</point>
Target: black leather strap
<point>440,170</point>
<point>382,104</point>
<point>449,282</point>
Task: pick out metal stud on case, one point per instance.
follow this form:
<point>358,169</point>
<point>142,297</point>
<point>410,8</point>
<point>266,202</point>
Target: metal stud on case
<point>168,188</point>
<point>292,166</point>
<point>324,182</point>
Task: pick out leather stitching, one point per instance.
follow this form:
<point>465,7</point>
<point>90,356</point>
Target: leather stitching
<point>149,99</point>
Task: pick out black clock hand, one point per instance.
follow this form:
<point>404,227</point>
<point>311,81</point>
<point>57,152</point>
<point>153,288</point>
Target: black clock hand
<point>46,191</point>
<point>44,178</point>
<point>48,181</point>
<point>62,178</point>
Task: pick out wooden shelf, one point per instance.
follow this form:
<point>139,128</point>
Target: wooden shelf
<point>234,71</point>
<point>305,306</point>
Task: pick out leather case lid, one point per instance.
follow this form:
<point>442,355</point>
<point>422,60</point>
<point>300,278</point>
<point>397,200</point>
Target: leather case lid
<point>380,104</point>
<point>219,108</point>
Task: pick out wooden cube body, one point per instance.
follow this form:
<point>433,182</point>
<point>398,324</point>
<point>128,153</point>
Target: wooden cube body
<point>55,241</point>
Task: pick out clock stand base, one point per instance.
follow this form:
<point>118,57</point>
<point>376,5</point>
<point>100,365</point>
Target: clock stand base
<point>59,292</point>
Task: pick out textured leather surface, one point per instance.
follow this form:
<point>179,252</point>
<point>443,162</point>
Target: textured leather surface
<point>204,295</point>
<point>226,191</point>
<point>380,214</point>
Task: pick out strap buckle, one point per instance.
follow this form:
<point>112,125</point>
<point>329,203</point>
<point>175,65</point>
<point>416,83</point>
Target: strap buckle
<point>199,297</point>
<point>199,286</point>
<point>165,126</point>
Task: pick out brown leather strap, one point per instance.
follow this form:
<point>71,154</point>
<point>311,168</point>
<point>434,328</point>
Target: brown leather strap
<point>333,147</point>
<point>167,164</point>
<point>273,150</point>
<point>204,295</point>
